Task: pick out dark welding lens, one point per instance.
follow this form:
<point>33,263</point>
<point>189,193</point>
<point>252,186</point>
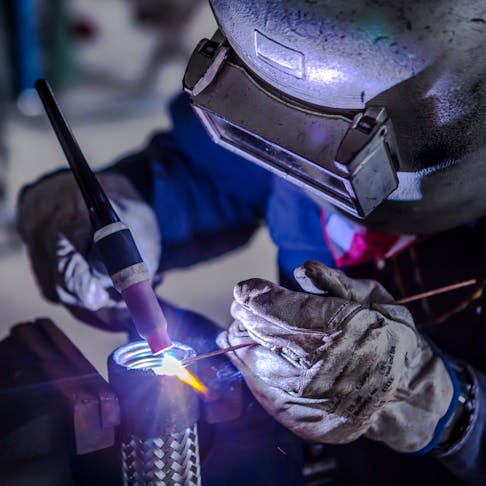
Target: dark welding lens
<point>284,162</point>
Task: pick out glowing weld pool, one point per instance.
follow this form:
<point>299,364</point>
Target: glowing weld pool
<point>137,355</point>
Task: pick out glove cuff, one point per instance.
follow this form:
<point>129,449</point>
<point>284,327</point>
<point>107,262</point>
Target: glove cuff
<point>460,420</point>
<point>445,420</point>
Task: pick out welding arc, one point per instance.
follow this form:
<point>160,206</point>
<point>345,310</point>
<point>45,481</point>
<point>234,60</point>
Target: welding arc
<point>412,298</point>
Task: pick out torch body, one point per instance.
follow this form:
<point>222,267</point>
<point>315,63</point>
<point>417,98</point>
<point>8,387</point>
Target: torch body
<point>159,413</point>
<point>112,238</point>
<point>130,276</point>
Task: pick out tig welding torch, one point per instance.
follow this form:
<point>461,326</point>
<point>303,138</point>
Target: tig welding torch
<point>112,238</point>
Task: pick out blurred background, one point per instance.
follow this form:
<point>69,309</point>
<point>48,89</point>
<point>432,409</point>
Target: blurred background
<point>114,65</point>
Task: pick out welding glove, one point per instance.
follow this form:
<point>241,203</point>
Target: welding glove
<point>54,223</point>
<point>336,366</point>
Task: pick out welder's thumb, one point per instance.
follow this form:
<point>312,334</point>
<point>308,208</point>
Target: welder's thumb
<point>316,278</point>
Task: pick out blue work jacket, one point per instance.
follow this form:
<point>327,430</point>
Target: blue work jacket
<point>209,201</point>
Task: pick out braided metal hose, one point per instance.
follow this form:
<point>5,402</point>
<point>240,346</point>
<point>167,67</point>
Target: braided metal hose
<point>158,436</point>
<point>170,460</point>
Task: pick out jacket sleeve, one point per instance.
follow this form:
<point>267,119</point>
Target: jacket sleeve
<point>207,200</point>
<point>467,459</point>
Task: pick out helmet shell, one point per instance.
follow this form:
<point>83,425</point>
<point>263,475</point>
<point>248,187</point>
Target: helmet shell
<point>342,54</point>
<point>423,60</point>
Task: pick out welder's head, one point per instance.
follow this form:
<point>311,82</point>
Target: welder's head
<point>376,108</point>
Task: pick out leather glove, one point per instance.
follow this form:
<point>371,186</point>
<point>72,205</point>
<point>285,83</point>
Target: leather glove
<point>54,223</point>
<point>339,365</point>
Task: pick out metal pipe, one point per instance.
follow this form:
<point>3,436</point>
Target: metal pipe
<point>159,413</point>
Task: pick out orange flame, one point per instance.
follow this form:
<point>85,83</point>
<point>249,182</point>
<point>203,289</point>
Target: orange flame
<point>193,381</point>
<point>173,367</point>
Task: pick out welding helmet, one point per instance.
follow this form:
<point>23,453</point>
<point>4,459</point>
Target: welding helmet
<point>374,108</point>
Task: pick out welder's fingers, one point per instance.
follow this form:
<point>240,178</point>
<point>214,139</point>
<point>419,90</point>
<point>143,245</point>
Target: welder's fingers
<point>237,332</point>
<point>292,311</point>
<point>54,223</point>
<point>300,346</point>
<point>74,283</point>
<point>316,278</point>
<point>265,371</point>
<point>43,243</point>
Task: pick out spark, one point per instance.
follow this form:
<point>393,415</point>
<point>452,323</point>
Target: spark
<point>173,367</point>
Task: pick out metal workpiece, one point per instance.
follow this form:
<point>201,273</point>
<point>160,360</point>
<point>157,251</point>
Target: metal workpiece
<point>223,402</point>
<point>158,435</point>
<point>168,460</point>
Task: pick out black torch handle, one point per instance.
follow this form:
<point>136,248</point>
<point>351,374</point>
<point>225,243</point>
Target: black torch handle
<point>100,210</point>
<point>118,252</point>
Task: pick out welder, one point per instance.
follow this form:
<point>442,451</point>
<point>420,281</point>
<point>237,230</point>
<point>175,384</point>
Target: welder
<point>364,125</point>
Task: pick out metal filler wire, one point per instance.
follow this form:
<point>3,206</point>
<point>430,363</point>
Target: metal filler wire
<point>406,300</point>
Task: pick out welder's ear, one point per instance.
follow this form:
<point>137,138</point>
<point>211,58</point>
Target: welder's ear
<point>316,278</point>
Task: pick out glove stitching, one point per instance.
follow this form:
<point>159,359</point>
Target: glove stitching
<point>347,318</point>
<point>332,320</point>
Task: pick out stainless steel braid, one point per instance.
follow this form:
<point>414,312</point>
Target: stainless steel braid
<point>171,460</point>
